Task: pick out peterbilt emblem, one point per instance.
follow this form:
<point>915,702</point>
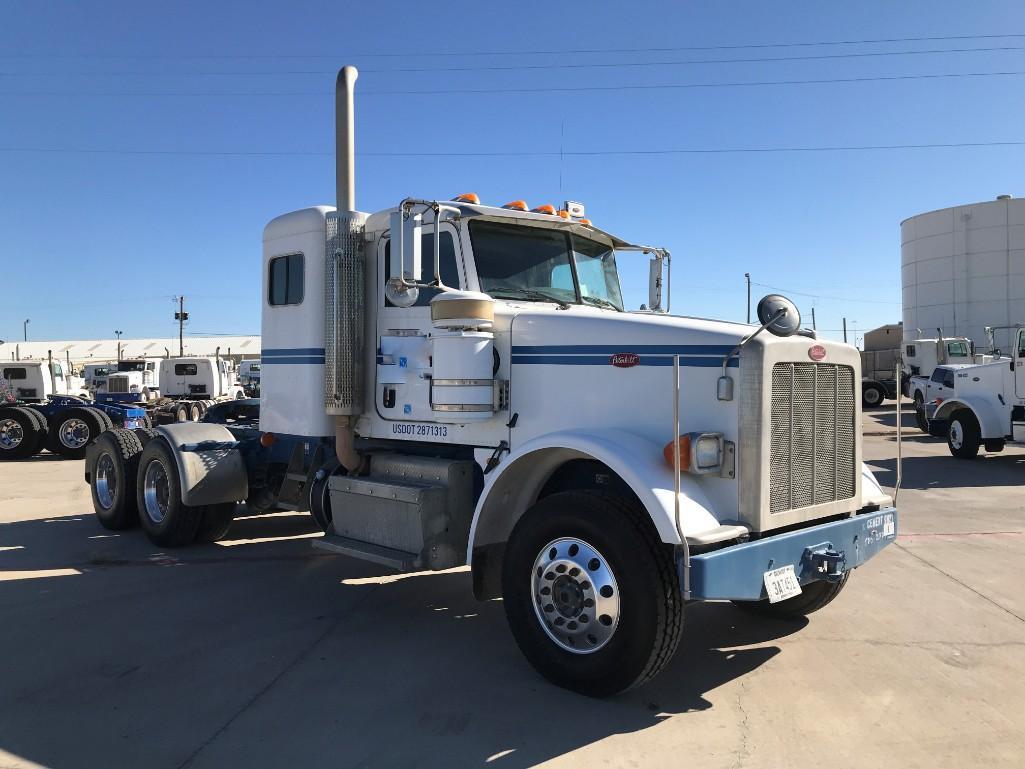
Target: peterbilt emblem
<point>816,352</point>
<point>625,359</point>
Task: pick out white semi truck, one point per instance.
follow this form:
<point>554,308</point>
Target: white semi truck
<point>455,383</point>
<point>177,389</point>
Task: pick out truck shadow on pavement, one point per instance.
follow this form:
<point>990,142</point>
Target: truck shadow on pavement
<point>260,652</point>
<point>947,472</point>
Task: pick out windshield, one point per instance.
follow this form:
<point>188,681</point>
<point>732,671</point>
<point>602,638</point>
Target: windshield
<point>957,349</point>
<point>255,367</point>
<point>542,264</point>
<point>131,365</point>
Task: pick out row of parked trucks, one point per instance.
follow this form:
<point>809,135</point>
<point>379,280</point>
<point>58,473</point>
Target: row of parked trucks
<point>37,410</point>
<point>450,382</point>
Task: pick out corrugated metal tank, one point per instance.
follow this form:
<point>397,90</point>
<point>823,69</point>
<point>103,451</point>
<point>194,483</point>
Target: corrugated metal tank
<point>963,268</point>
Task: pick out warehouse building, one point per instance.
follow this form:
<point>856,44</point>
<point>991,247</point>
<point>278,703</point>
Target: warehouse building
<point>82,351</point>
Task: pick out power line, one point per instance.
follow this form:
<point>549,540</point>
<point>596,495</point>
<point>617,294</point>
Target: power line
<point>547,89</point>
<point>523,67</point>
<point>559,52</point>
<point>515,153</point>
<point>824,296</point>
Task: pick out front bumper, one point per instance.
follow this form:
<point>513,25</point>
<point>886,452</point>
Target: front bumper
<point>819,552</point>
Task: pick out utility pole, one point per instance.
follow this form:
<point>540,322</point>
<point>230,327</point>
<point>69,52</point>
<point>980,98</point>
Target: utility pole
<point>747,277</point>
<point>24,328</point>
<point>813,318</point>
<point>118,343</point>
<point>845,330</point>
<point>181,316</point>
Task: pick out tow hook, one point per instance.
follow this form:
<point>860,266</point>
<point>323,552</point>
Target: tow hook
<point>827,562</point>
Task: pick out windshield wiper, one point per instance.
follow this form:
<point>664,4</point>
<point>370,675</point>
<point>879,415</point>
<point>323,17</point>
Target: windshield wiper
<point>599,302</point>
<point>532,294</point>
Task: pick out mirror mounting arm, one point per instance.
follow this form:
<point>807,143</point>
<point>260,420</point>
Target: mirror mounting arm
<point>724,387</point>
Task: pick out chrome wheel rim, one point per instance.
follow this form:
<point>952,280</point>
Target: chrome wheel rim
<point>155,491</point>
<point>956,435</point>
<point>11,434</point>
<point>106,481</point>
<point>576,597</point>
<point>73,433</point>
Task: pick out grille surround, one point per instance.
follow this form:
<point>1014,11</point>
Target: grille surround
<point>117,384</point>
<point>813,445</point>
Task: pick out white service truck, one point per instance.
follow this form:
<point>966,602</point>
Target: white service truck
<point>37,381</point>
<point>984,404</point>
<point>455,383</point>
<point>95,375</point>
<point>135,376</point>
<point>249,377</point>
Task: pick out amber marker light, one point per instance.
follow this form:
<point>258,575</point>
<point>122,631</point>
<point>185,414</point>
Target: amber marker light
<point>467,197</point>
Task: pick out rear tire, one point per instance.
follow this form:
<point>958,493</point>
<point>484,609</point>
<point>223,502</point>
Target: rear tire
<point>963,435</point>
<point>113,475</point>
<point>216,522</point>
<point>103,416</point>
<point>18,433</point>
<point>195,412</point>
<point>166,521</point>
<point>181,412</point>
<point>638,596</point>
<point>813,597</point>
<point>43,431</point>
<point>72,430</point>
<point>144,434</point>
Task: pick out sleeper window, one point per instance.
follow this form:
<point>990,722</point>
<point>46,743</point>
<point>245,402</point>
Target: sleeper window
<point>286,280</point>
<point>185,369</point>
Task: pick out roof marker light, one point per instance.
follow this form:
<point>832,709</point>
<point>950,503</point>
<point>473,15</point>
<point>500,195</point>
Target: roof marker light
<point>563,214</point>
<point>586,222</point>
<point>545,209</point>
<point>516,205</point>
<point>467,197</point>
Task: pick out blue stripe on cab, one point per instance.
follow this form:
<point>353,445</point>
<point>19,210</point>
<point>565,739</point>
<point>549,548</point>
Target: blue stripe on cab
<point>603,360</point>
<point>295,360</point>
<point>292,351</point>
<point>640,349</point>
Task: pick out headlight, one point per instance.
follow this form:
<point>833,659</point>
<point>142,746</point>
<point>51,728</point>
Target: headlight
<point>700,453</point>
<point>134,388</point>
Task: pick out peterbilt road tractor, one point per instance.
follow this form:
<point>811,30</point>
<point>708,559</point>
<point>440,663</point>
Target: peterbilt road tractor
<point>453,383</point>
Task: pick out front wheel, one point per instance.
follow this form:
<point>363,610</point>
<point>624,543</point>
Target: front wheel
<point>591,593</point>
<point>920,417</point>
<point>871,396</point>
<point>963,435</point>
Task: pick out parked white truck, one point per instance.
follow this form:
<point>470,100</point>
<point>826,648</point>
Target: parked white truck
<point>37,381</point>
<point>176,389</point>
<point>983,405</point>
<point>249,377</point>
<point>455,383</point>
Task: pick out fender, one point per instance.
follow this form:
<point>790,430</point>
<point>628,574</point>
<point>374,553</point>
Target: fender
<point>871,492</point>
<point>207,477</point>
<point>513,486</point>
<point>991,422</point>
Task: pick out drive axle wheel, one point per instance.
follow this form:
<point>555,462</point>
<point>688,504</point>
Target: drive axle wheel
<point>591,593</point>
<point>18,438</point>
<point>73,430</point>
<point>113,478</point>
<point>166,521</point>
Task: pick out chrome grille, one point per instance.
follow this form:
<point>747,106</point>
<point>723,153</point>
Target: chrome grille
<point>117,384</point>
<point>811,457</point>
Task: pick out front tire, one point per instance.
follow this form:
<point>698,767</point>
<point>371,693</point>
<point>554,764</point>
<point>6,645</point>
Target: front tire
<point>920,417</point>
<point>813,597</point>
<point>963,435</point>
<point>871,396</point>
<point>612,615</point>
<point>165,519</point>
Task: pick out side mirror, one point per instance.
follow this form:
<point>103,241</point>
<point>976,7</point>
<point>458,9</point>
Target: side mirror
<point>778,315</point>
<point>405,262</point>
<point>655,284</point>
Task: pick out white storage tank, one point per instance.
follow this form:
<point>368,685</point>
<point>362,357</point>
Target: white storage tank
<point>963,268</point>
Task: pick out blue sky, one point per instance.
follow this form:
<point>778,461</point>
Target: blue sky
<point>96,241</point>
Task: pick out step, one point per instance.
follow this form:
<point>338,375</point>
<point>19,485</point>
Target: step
<point>385,556</point>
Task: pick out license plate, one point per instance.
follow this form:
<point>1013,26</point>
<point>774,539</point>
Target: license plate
<point>781,583</point>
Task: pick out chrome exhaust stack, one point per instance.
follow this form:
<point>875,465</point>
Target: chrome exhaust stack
<point>344,330</point>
